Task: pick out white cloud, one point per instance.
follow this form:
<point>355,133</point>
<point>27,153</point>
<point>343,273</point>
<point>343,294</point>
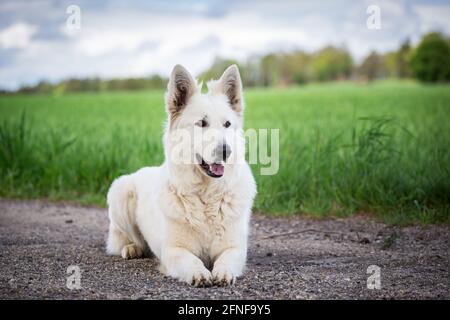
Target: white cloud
<point>433,17</point>
<point>17,36</point>
<point>126,40</point>
<point>177,39</point>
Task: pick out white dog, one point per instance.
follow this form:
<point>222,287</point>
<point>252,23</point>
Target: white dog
<point>194,216</point>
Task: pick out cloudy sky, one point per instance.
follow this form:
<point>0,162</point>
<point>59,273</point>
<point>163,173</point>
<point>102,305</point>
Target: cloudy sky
<point>138,38</point>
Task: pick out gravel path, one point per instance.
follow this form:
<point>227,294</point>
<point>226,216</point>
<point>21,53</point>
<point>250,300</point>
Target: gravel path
<point>296,258</point>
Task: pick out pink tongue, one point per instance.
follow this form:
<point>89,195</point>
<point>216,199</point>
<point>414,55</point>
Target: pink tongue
<point>217,169</point>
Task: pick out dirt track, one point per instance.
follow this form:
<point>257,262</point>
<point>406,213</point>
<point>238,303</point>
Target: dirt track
<point>293,258</point>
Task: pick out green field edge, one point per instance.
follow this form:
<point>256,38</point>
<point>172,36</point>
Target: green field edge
<point>408,217</point>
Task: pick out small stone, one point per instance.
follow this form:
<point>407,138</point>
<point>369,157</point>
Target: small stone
<point>12,283</point>
<point>364,240</point>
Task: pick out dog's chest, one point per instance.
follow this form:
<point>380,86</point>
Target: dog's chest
<point>205,214</point>
<point>202,213</point>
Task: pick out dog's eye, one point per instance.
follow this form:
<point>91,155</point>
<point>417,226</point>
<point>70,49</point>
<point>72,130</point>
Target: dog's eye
<point>227,124</point>
<point>202,123</point>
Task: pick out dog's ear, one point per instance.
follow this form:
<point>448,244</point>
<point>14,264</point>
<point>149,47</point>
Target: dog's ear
<point>180,89</point>
<point>231,85</point>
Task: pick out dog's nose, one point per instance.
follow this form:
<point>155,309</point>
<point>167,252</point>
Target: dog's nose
<point>223,151</point>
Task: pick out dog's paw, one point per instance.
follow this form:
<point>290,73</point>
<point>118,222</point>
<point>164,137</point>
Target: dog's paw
<point>201,278</point>
<point>131,251</point>
<point>223,277</point>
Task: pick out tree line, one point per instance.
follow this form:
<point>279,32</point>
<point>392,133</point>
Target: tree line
<point>429,61</point>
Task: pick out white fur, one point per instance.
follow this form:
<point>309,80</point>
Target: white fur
<point>195,224</point>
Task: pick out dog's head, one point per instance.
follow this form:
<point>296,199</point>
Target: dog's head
<point>205,130</point>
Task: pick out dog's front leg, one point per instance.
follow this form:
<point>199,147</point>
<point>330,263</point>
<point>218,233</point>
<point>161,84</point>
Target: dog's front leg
<point>228,266</point>
<point>182,264</point>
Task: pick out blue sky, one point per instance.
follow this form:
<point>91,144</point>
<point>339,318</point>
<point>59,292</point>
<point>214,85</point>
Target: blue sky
<point>138,38</point>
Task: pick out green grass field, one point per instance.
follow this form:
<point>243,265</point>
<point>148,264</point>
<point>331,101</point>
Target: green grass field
<point>382,149</point>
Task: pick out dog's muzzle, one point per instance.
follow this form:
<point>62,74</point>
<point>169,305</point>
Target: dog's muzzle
<point>222,152</point>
